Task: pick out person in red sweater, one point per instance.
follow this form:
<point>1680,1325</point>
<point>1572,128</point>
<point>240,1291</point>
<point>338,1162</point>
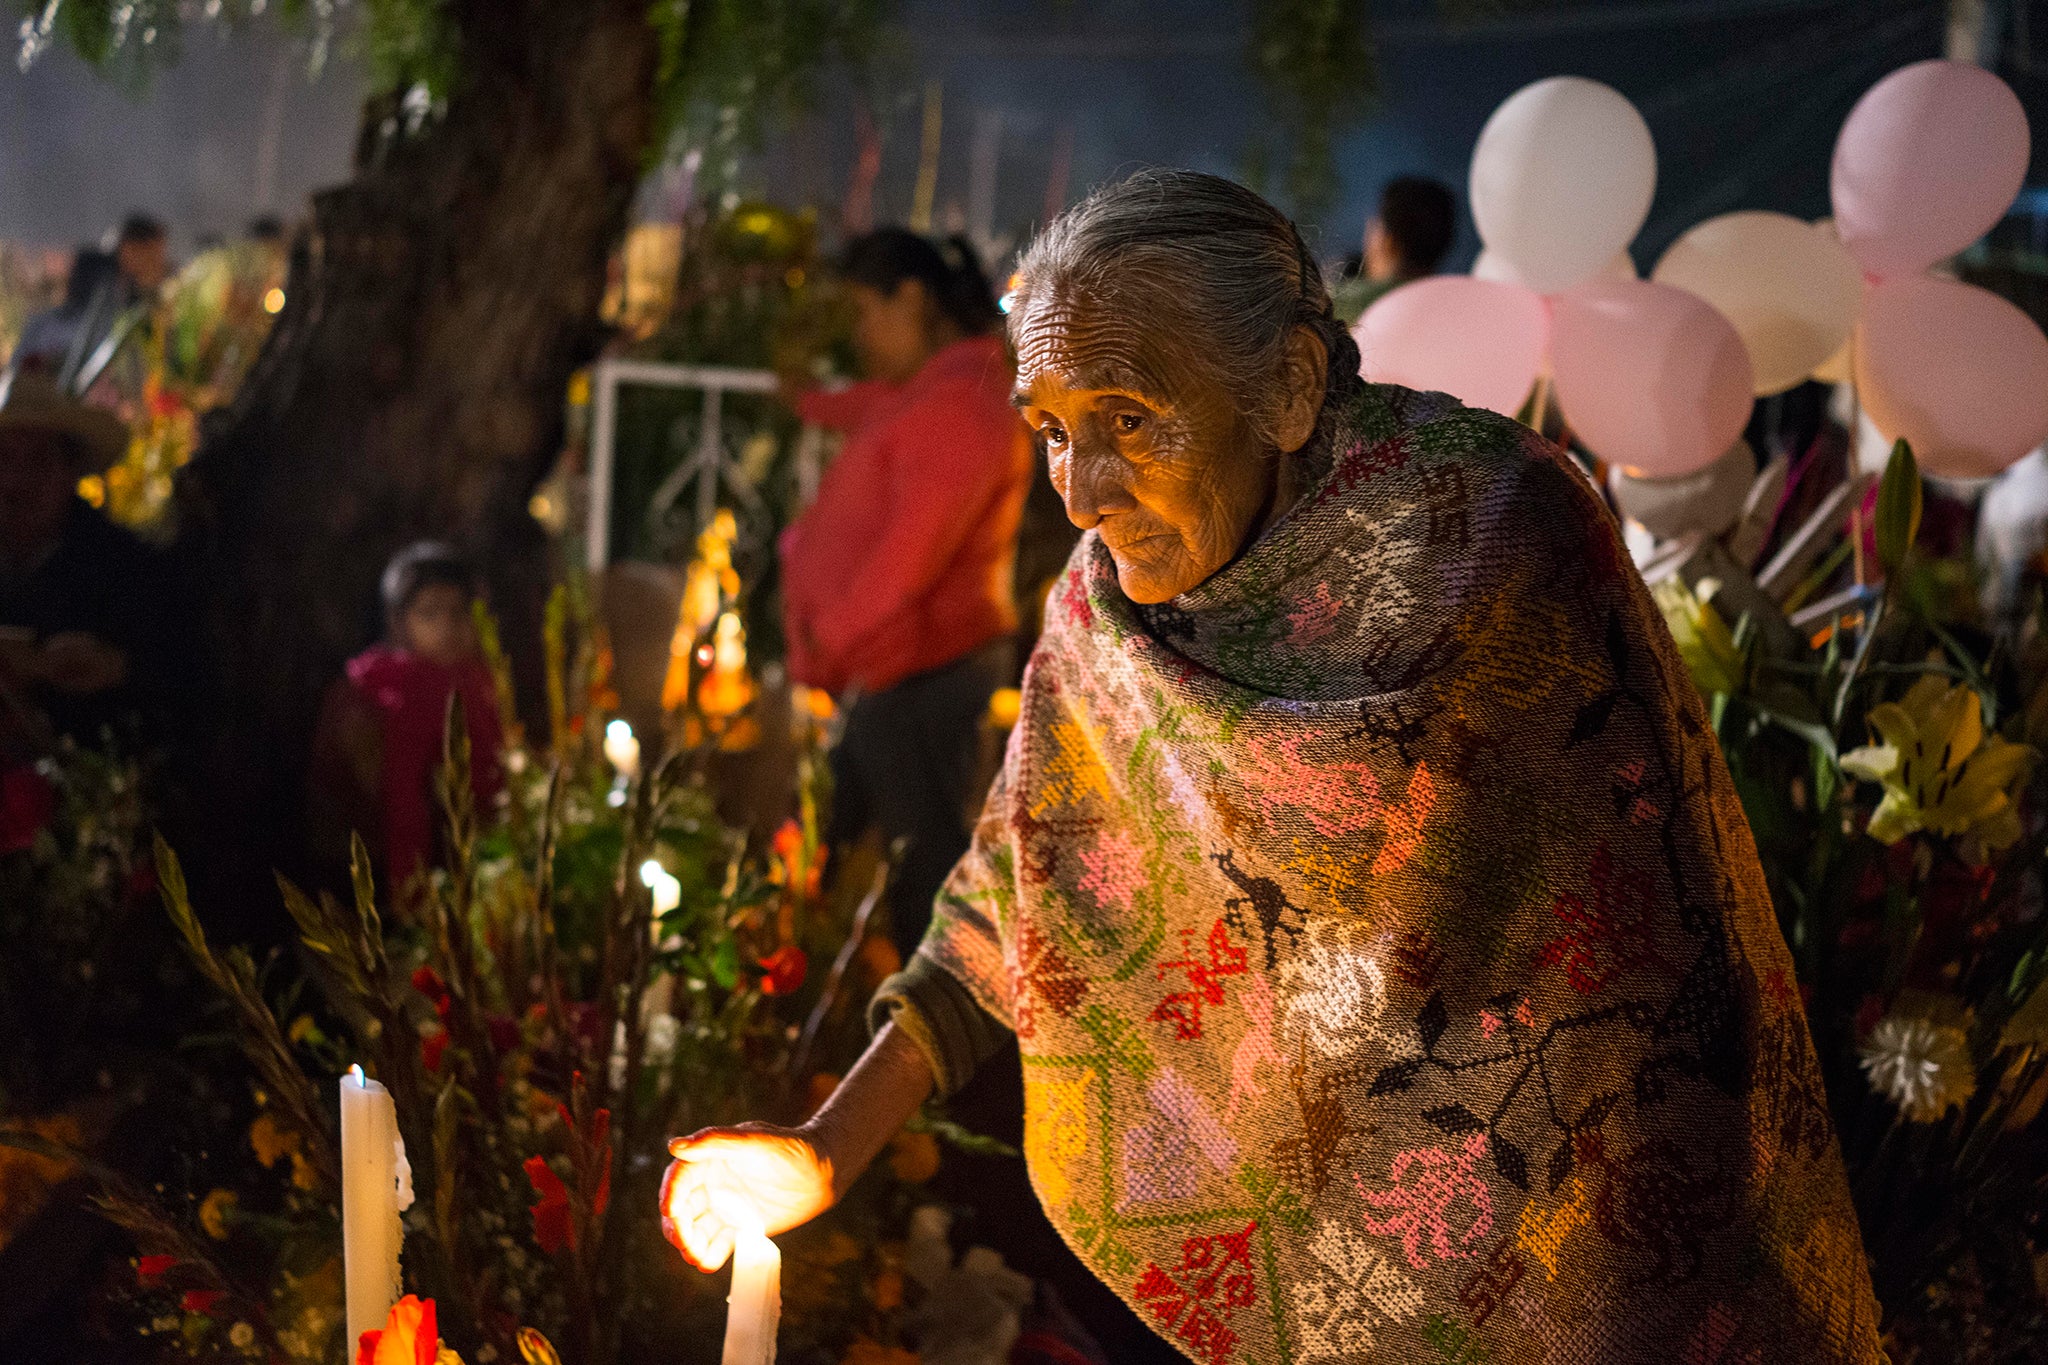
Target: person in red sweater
<point>897,581</point>
<point>378,749</point>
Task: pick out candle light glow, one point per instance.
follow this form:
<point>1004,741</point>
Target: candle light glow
<point>621,749</point>
<point>666,890</point>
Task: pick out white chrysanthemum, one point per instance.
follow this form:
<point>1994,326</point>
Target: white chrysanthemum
<point>1920,1066</point>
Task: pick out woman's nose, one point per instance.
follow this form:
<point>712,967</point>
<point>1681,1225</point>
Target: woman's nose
<point>1095,488</point>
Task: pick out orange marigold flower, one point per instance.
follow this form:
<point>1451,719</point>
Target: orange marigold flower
<point>271,1140</point>
<point>913,1157</point>
<point>216,1211</point>
<point>879,959</point>
<point>821,1087</point>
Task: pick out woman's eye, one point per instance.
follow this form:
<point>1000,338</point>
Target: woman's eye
<point>1128,422</point>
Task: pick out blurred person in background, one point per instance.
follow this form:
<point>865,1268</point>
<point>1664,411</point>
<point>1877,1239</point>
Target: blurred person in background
<point>111,293</point>
<point>897,582</point>
<point>378,749</point>
<point>1407,239</point>
<point>87,627</point>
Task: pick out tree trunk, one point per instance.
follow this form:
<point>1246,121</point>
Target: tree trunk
<point>413,386</point>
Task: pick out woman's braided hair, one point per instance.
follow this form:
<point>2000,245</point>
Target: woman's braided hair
<point>1208,254</point>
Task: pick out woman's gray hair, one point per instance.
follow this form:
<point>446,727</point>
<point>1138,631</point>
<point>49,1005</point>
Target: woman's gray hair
<point>1232,266</point>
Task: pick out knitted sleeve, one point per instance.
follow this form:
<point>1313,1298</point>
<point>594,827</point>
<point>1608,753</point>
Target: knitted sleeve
<point>955,1034</point>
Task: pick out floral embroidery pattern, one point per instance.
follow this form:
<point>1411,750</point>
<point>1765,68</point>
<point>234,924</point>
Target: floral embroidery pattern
<point>1042,975</point>
<point>1183,1009</point>
<point>1314,618</point>
<point>1353,1291</point>
<point>1116,870</point>
<point>1056,1129</point>
<point>1338,996</point>
<point>1195,1302</point>
<point>1424,1207</point>
<point>1254,1047</point>
<point>1159,1156</point>
<point>1611,935</point>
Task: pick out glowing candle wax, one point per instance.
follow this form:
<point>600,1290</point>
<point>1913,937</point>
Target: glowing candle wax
<point>376,1186</point>
<point>755,1306</point>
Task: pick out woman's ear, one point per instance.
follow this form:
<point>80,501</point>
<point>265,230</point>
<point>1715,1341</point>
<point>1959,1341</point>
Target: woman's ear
<point>1304,378</point>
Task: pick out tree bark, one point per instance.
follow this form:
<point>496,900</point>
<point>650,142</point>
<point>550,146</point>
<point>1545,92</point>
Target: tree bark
<point>413,385</point>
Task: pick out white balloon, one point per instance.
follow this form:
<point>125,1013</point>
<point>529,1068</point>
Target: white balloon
<point>1562,178</point>
<point>1492,266</point>
<point>1791,289</point>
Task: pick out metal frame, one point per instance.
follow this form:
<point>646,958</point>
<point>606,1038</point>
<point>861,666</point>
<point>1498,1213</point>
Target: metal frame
<point>705,464</point>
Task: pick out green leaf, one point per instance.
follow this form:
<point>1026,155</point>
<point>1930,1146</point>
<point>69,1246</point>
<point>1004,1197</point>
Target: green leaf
<point>1898,507</point>
<point>928,1120</point>
<point>725,963</point>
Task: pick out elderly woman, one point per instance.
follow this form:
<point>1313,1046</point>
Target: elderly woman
<point>1393,971</point>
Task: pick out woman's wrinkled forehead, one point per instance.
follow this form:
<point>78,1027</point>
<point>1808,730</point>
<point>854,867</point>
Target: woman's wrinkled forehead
<point>1077,340</point>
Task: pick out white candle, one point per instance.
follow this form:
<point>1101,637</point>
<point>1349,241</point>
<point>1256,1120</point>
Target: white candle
<point>376,1186</point>
<point>662,884</point>
<point>621,748</point>
<point>755,1306</point>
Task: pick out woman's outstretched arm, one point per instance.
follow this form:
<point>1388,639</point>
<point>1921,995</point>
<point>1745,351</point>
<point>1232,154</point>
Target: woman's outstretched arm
<point>724,1179</point>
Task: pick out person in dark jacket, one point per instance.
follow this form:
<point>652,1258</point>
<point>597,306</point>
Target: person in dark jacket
<point>87,627</point>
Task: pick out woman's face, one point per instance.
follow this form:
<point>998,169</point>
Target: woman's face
<point>1142,444</point>
<point>892,331</point>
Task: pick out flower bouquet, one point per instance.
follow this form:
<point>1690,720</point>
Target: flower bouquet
<point>1884,737</point>
<point>603,962</point>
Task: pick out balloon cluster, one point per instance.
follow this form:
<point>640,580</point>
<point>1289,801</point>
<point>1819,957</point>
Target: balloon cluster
<point>1657,376</point>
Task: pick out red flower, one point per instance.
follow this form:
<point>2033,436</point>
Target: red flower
<point>427,981</point>
<point>150,1269</point>
<point>27,803</point>
<point>141,882</point>
<point>600,1130</point>
<point>431,1049</point>
<point>553,1228</point>
<point>410,1336</point>
<point>784,970</point>
<point>504,1032</point>
<point>200,1300</point>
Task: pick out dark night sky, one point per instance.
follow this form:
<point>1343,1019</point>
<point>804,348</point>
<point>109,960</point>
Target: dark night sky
<point>1744,97</point>
<point>77,150</point>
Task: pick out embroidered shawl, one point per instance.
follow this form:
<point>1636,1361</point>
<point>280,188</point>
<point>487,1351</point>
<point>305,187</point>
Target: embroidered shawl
<point>1393,970</point>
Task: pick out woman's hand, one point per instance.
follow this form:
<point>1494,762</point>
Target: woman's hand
<point>724,1180</point>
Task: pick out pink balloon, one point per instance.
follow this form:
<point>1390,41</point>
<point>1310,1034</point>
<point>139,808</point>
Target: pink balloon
<point>1650,377</point>
<point>1954,369</point>
<point>1478,340</point>
<point>1927,162</point>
